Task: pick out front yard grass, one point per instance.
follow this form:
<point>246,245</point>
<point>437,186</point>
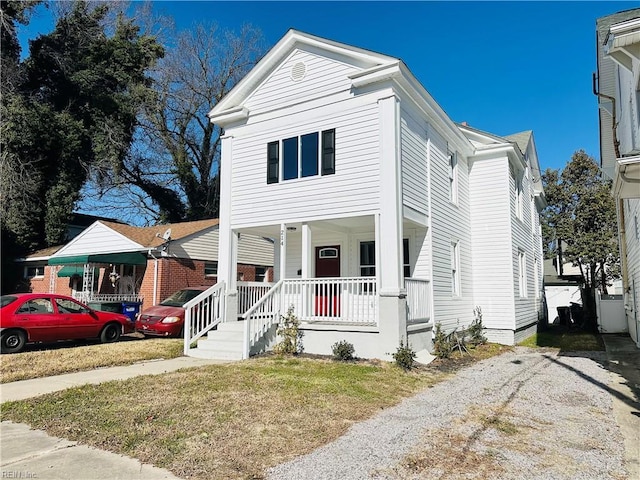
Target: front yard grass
<point>230,420</point>
<point>53,360</point>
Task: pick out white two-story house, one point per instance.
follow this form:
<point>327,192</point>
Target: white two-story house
<point>618,90</point>
<point>388,217</point>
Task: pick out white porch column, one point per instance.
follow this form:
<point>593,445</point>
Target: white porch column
<point>283,251</point>
<point>308,255</point>
<point>227,239</point>
<point>392,296</point>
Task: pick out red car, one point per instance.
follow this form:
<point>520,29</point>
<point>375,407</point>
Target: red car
<point>167,318</point>
<point>47,317</point>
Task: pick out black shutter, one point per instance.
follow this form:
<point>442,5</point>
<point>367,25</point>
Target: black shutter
<point>273,166</point>
<point>328,152</point>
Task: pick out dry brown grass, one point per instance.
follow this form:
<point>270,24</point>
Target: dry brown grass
<point>226,421</point>
<point>67,357</point>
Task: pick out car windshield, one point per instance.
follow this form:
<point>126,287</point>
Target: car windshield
<point>180,297</point>
<point>6,300</point>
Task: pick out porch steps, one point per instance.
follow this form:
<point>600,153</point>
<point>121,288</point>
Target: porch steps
<point>224,343</point>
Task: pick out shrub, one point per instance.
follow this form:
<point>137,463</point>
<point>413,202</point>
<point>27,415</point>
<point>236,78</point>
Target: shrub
<point>343,351</point>
<point>404,357</point>
<point>476,329</point>
<point>289,330</point>
<point>442,346</point>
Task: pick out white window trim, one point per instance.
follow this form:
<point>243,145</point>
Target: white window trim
<point>455,269</point>
<point>522,274</point>
<point>453,177</point>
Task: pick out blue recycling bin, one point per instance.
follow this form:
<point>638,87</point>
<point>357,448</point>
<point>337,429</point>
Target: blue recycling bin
<point>131,309</point>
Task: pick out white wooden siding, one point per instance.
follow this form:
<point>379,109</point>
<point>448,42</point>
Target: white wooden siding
<point>525,307</point>
<point>414,161</point>
<point>322,76</point>
<point>631,216</point>
<point>353,188</point>
<point>98,238</point>
<point>493,288</point>
<point>449,222</point>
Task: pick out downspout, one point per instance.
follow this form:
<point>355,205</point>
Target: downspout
<point>614,124</point>
<point>155,277</point>
<point>622,235</point>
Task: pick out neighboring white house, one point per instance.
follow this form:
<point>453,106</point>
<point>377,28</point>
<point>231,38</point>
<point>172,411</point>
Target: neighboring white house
<point>388,217</point>
<point>618,89</point>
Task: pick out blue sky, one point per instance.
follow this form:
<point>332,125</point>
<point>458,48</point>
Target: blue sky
<point>502,67</point>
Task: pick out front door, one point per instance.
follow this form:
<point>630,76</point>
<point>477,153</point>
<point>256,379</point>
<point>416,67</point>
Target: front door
<point>328,261</point>
<point>327,301</point>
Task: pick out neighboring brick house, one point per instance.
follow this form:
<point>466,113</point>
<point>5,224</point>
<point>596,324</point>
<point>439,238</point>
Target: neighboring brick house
<point>147,263</point>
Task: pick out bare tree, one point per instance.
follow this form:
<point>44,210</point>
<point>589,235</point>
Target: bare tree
<point>174,165</point>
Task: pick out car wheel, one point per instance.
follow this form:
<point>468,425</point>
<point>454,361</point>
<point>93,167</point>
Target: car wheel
<point>12,341</point>
<point>110,333</point>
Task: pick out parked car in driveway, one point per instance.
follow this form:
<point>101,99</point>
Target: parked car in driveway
<point>167,318</point>
<point>47,317</point>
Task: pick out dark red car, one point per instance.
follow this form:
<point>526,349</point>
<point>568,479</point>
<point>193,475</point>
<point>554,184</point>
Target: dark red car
<point>47,317</point>
<point>167,318</point>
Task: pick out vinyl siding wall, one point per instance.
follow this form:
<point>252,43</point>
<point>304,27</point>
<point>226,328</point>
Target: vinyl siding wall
<point>322,76</point>
<point>491,229</point>
<point>415,180</point>
<point>449,222</point>
<point>353,189</point>
<point>98,239</point>
<point>522,240</point>
<point>632,217</point>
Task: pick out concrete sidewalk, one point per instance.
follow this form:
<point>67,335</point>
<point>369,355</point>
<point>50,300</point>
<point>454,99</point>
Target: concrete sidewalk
<point>624,365</point>
<point>39,386</point>
<point>27,453</point>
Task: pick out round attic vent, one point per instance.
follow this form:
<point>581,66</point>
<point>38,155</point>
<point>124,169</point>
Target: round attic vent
<point>298,71</point>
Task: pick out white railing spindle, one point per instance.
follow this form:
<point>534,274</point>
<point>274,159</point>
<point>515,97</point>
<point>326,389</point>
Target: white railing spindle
<point>202,313</point>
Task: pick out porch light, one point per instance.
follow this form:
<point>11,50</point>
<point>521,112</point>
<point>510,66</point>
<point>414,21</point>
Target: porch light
<point>291,229</point>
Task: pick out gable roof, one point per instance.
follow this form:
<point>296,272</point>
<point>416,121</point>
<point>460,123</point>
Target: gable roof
<point>150,237</point>
<point>521,139</point>
<point>374,67</point>
<point>291,40</point>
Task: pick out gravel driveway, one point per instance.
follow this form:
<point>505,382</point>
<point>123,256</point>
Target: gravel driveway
<point>528,414</point>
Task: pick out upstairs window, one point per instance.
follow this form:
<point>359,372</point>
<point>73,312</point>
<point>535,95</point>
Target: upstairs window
<point>453,177</point>
<point>303,156</point>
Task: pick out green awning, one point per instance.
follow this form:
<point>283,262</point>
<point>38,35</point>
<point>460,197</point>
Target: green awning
<point>70,271</point>
<point>128,258</point>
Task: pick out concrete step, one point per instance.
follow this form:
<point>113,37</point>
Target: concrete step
<point>213,355</point>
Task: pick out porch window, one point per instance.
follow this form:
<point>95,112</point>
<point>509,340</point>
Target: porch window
<point>303,156</point>
<point>368,259</point>
<point>455,269</point>
<point>210,269</point>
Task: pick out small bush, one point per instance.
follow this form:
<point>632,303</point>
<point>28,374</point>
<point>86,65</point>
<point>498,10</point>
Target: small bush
<point>289,330</point>
<point>404,357</point>
<point>442,346</point>
<point>476,329</point>
<point>343,351</point>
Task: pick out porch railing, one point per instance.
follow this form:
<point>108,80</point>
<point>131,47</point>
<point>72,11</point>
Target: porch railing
<point>202,313</point>
<point>261,317</point>
<point>249,293</point>
<point>107,297</point>
<point>418,300</point>
<point>341,300</point>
